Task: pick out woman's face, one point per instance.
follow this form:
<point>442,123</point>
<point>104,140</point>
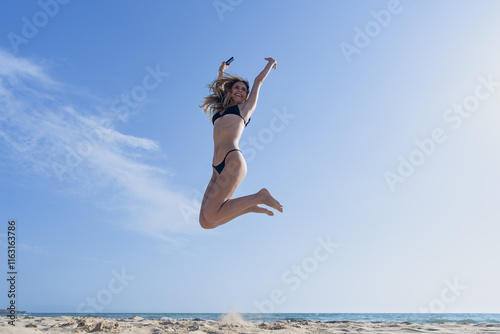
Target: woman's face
<point>239,92</point>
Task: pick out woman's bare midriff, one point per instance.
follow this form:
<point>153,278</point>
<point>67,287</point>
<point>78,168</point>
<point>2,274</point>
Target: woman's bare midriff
<point>227,133</point>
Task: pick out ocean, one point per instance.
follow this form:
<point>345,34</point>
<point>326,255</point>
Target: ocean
<point>422,318</point>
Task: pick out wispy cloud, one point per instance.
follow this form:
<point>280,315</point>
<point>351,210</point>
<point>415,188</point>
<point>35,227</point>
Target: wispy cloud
<point>45,130</point>
<point>16,68</point>
<point>38,250</point>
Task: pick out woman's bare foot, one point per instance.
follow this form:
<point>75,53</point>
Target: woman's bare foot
<point>269,200</point>
<point>259,209</point>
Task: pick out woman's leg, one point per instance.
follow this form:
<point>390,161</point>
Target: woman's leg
<point>205,224</point>
<point>219,208</point>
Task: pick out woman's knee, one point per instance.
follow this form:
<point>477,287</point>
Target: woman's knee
<point>204,223</point>
<point>208,219</point>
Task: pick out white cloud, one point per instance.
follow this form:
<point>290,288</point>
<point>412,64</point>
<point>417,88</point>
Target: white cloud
<point>18,68</point>
<point>44,132</point>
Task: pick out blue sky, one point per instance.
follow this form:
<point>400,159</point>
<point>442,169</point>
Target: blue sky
<point>378,132</point>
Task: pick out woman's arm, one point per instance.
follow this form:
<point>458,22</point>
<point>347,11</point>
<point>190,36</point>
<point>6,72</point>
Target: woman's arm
<point>222,68</point>
<point>262,75</point>
<point>251,103</point>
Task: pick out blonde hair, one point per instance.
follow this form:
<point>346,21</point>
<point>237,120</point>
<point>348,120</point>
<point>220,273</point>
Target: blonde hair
<point>220,97</point>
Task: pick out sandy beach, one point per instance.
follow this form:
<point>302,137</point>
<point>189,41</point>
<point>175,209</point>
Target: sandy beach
<point>227,324</point>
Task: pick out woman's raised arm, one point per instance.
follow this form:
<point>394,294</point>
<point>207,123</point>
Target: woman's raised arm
<point>222,68</point>
<point>262,75</point>
<point>251,103</point>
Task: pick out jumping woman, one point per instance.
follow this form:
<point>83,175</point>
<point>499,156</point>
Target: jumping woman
<point>230,106</point>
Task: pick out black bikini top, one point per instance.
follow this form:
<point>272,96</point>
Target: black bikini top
<point>235,110</point>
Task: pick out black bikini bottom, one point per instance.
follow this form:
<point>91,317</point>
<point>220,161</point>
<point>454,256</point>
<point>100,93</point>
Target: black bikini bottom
<point>221,166</point>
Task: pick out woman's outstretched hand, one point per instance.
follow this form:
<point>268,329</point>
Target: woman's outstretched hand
<point>272,62</point>
<point>223,66</point>
<point>262,75</point>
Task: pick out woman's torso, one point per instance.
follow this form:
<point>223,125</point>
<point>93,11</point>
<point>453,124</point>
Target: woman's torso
<point>228,129</point>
